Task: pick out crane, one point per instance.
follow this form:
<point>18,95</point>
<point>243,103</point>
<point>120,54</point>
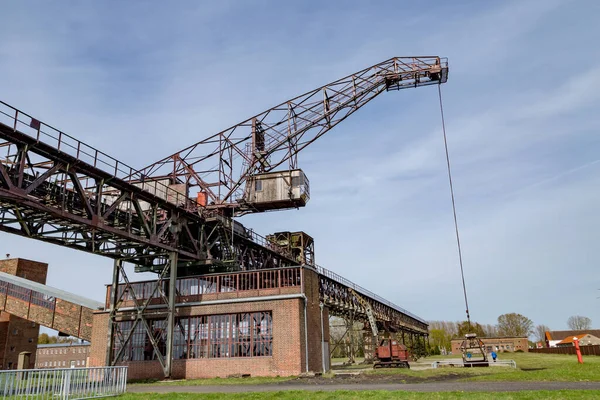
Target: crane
<point>57,189</point>
<point>260,144</point>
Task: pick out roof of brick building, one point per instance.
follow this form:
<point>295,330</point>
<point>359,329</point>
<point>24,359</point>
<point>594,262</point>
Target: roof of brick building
<point>50,291</point>
<point>562,335</point>
<point>571,339</point>
<point>63,345</point>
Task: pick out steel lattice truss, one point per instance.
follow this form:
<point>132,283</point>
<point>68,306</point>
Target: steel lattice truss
<point>220,165</point>
<point>59,190</point>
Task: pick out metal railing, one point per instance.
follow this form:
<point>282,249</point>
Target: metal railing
<point>196,286</point>
<point>67,144</point>
<point>340,279</point>
<point>459,363</point>
<point>65,383</point>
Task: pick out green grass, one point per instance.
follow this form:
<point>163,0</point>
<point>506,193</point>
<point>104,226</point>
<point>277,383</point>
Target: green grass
<point>371,394</point>
<point>530,367</point>
<point>547,367</point>
<point>537,367</point>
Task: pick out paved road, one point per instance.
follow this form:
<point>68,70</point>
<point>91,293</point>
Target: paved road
<point>411,387</point>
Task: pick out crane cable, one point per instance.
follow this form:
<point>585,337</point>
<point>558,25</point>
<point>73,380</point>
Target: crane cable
<point>460,260</point>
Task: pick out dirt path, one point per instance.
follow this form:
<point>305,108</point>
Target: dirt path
<point>411,387</point>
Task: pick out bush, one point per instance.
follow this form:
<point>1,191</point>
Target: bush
<point>434,351</point>
<point>519,351</point>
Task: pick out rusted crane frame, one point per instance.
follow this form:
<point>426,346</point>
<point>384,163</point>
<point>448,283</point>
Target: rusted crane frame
<point>49,194</point>
<point>287,129</point>
<point>340,301</point>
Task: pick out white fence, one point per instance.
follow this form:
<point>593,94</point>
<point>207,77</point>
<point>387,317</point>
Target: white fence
<point>65,383</point>
<point>459,363</point>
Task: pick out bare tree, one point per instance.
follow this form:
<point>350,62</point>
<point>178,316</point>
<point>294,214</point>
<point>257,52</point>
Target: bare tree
<point>514,324</point>
<point>579,323</point>
<point>490,330</point>
<point>540,332</point>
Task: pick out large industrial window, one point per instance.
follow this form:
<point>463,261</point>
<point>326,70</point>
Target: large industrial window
<point>227,335</point>
<point>205,336</point>
<point>139,347</point>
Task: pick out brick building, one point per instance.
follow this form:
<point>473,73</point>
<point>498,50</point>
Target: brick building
<point>18,334</point>
<point>497,344</point>
<point>585,339</point>
<point>62,355</point>
<point>222,330</point>
<point>553,338</point>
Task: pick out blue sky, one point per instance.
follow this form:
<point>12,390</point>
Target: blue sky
<point>140,80</point>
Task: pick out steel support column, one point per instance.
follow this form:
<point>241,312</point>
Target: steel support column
<point>117,265</point>
<point>168,367</point>
<point>350,327</point>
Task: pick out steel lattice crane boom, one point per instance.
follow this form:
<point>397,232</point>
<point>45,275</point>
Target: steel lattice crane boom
<point>260,144</point>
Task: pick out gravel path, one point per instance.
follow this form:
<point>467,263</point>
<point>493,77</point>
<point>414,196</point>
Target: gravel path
<point>411,387</point>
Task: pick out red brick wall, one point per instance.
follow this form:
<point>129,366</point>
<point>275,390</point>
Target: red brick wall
<point>289,356</point>
<point>27,332</point>
<point>288,344</point>
<point>99,341</point>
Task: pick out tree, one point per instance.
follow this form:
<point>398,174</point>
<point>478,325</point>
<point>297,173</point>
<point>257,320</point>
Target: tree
<point>464,328</point>
<point>540,332</point>
<point>579,323</point>
<point>440,339</point>
<point>43,339</point>
<point>514,324</point>
<point>490,330</point>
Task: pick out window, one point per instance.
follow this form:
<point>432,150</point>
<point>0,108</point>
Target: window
<point>78,362</point>
<point>258,185</point>
<point>42,300</point>
<point>139,347</point>
<point>12,348</point>
<point>212,336</point>
<point>18,292</point>
<point>30,340</point>
<point>219,336</point>
<point>297,181</point>
<point>45,363</point>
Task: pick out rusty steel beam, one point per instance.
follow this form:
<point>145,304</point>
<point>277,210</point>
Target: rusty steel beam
<point>276,136</point>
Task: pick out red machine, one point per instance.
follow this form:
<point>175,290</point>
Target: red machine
<point>390,353</point>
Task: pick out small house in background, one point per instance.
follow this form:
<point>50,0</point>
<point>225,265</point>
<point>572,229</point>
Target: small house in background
<point>553,338</point>
<point>585,339</point>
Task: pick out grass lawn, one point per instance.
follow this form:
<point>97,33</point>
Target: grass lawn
<point>374,394</point>
<point>530,367</point>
